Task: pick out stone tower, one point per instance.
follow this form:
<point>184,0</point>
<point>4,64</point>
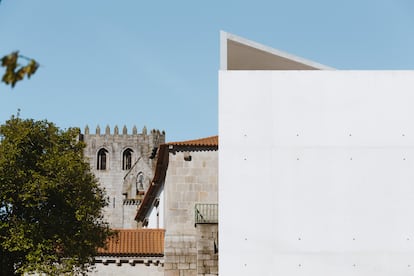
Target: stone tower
<point>123,164</point>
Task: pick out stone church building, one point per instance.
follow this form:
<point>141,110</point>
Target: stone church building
<point>140,172</point>
<point>123,163</point>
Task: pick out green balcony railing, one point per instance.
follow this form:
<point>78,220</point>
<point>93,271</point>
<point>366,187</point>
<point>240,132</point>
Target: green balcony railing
<point>206,213</point>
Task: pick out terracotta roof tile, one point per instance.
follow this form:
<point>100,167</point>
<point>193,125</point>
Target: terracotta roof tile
<point>135,242</point>
<point>203,142</point>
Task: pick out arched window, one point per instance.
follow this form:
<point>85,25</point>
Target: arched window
<point>127,159</point>
<point>102,159</point>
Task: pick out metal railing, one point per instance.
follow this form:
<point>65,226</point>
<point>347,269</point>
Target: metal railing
<point>206,213</point>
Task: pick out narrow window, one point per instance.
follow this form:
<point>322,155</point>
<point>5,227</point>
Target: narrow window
<point>140,182</point>
<point>127,159</point>
<point>102,158</point>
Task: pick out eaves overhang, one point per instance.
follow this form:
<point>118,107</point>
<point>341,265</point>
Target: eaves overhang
<point>157,184</point>
<point>134,243</point>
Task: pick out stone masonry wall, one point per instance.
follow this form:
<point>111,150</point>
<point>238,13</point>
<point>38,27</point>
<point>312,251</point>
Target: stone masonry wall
<point>188,183</point>
<point>129,211</point>
<point>207,249</point>
<point>120,184</point>
<point>180,255</point>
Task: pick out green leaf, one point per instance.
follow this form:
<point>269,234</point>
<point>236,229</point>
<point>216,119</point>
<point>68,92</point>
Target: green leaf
<point>15,72</point>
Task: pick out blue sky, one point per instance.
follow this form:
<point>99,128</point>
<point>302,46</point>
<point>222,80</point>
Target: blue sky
<point>155,63</point>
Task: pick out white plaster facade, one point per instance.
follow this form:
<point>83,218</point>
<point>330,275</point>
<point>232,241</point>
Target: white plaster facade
<point>315,170</point>
<point>127,269</point>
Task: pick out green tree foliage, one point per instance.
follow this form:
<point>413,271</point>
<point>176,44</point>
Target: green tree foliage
<point>16,72</point>
<point>51,218</point>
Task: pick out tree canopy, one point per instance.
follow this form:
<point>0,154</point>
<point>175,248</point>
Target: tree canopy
<point>51,218</point>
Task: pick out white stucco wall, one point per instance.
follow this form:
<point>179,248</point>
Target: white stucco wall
<point>126,269</point>
<point>153,221</point>
<point>316,172</point>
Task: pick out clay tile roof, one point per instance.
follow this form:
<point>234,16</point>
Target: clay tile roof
<point>135,242</point>
<point>208,141</point>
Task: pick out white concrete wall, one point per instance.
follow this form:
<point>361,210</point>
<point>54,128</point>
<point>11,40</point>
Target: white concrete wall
<point>316,172</point>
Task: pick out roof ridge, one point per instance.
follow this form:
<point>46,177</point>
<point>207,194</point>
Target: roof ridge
<point>206,141</point>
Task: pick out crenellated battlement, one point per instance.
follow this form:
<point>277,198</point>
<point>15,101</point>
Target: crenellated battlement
<point>124,131</point>
<point>122,161</point>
